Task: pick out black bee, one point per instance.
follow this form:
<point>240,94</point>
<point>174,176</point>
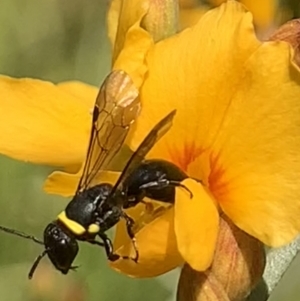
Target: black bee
<point>96,208</point>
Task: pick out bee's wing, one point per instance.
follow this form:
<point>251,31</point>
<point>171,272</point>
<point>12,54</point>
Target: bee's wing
<point>116,108</point>
<point>151,139</point>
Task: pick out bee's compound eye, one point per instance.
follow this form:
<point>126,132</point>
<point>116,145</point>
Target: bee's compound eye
<point>61,246</point>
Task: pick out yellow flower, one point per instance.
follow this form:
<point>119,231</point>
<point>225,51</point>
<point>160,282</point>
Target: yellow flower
<point>237,129</point>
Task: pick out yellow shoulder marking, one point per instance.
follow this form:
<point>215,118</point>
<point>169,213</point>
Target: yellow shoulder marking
<point>93,229</point>
<point>73,226</point>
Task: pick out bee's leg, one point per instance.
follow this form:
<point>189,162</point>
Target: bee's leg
<point>129,227</point>
<point>96,242</point>
<point>109,249</point>
<point>149,208</point>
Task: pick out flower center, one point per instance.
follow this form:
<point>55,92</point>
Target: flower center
<point>185,156</point>
<point>201,164</point>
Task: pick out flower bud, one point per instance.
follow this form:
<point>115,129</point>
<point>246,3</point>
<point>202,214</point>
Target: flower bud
<point>239,260</point>
<point>161,20</point>
<point>195,286</point>
<point>236,269</point>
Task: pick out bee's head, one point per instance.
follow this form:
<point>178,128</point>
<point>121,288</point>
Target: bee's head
<point>60,246</point>
<point>59,243</point>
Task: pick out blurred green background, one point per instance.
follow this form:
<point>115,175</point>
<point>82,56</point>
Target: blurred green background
<point>60,40</point>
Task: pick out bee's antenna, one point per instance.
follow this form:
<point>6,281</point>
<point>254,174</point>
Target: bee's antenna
<point>36,263</point>
<point>31,237</point>
<point>21,234</point>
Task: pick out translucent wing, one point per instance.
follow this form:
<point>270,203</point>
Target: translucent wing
<point>116,108</point>
<point>138,156</point>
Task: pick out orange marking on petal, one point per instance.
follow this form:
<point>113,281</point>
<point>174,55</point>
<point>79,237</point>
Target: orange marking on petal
<point>216,181</point>
<point>185,156</point>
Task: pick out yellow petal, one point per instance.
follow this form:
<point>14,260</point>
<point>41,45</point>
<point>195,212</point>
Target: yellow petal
<point>156,243</point>
<point>131,58</point>
<point>65,184</point>
<point>255,161</point>
<point>80,90</point>
<point>121,17</point>
<point>263,11</point>
<point>196,225</point>
<point>124,18</point>
<point>43,123</point>
<point>195,72</point>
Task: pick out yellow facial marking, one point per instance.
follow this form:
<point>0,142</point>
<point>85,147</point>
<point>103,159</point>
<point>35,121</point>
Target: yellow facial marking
<point>74,227</point>
<point>93,229</point>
